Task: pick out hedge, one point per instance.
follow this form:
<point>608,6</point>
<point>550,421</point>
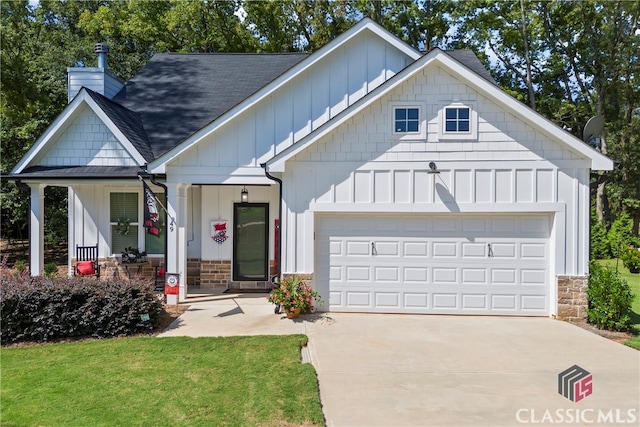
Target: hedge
<point>40,309</point>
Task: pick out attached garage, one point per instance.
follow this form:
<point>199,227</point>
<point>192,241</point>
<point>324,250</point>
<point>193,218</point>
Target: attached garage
<point>445,264</point>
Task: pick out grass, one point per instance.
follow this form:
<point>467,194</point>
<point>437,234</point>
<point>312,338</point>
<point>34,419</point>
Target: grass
<point>144,381</point>
<point>634,282</point>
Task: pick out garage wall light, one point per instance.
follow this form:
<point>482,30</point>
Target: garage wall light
<point>244,195</point>
<point>433,168</point>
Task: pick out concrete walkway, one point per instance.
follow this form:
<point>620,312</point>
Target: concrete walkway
<point>418,370</point>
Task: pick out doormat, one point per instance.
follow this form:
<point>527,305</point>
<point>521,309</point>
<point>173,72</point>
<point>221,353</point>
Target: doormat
<point>246,291</point>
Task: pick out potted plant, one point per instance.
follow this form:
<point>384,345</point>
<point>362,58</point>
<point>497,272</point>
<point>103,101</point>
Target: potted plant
<point>294,296</point>
<point>132,254</point>
<point>631,259</point>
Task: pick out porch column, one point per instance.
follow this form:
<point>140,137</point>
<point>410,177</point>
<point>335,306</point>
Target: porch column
<point>36,229</point>
<point>177,234</point>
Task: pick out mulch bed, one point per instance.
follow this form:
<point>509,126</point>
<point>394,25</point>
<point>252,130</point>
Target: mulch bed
<point>619,337</point>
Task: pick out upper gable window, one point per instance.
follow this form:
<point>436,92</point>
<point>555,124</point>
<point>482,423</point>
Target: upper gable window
<point>406,119</point>
<point>457,119</point>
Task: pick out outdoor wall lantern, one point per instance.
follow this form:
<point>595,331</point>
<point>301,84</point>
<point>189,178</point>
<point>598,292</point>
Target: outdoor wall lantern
<point>244,195</point>
<point>433,168</point>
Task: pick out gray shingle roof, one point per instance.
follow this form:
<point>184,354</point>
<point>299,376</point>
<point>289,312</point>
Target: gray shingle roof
<point>74,172</point>
<point>177,94</point>
<point>470,60</point>
<point>127,121</point>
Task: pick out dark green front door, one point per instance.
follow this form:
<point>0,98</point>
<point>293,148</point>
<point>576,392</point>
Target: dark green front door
<point>250,241</point>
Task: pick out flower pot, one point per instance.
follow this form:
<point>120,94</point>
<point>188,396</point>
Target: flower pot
<point>293,314</point>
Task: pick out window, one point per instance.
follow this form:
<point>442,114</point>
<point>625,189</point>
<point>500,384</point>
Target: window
<point>406,120</point>
<point>125,216</point>
<point>124,219</point>
<point>457,119</point>
<point>457,122</point>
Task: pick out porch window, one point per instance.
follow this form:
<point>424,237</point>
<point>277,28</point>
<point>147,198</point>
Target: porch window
<point>124,221</point>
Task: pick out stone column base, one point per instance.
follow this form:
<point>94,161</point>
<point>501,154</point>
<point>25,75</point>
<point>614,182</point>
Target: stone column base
<point>572,297</point>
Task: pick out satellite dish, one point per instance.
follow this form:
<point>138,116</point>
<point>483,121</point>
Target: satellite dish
<point>593,129</point>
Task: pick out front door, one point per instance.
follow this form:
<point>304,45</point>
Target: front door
<point>250,241</point>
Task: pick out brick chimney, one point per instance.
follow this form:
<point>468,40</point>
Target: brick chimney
<point>98,79</point>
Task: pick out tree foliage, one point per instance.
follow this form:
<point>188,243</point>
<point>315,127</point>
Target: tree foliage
<point>569,60</point>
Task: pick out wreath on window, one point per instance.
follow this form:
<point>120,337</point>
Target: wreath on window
<point>124,226</point>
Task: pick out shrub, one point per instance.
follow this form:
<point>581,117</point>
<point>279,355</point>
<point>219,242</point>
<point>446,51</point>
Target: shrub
<point>610,299</point>
<point>20,266</point>
<point>631,259</point>
<point>599,241</point>
<point>620,235</point>
<point>51,269</point>
<point>43,308</point>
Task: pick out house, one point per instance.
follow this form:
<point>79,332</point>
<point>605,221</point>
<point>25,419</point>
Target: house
<point>396,181</point>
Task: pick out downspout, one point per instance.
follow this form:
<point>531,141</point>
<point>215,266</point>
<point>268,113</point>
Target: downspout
<point>279,230</point>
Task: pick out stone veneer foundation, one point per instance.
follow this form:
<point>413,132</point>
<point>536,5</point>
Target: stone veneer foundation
<point>572,297</point>
<point>215,274</point>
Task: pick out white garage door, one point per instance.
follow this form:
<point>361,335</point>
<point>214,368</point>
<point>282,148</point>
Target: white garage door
<point>454,264</point>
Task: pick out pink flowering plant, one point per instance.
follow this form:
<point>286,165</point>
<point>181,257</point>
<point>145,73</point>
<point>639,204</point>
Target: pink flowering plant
<point>293,293</point>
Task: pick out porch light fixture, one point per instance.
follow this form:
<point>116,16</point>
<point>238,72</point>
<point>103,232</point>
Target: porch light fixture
<point>433,168</point>
<point>244,195</point>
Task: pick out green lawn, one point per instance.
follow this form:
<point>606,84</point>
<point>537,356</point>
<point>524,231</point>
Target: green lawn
<point>634,283</point>
<point>145,381</point>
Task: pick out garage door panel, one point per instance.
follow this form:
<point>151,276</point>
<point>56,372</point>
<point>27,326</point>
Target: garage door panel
<point>533,302</point>
<point>356,248</point>
<point>416,274</point>
<point>444,275</point>
<point>445,300</point>
<point>415,249</point>
<point>533,251</point>
<point>503,250</point>
<point>387,299</point>
<point>358,274</point>
<point>474,250</point>
<point>386,274</point>
<point>472,276</point>
<point>355,299</point>
<point>445,249</point>
<point>503,302</point>
<point>533,277</point>
<point>434,264</point>
<point>503,276</point>
<point>385,248</point>
<point>474,302</point>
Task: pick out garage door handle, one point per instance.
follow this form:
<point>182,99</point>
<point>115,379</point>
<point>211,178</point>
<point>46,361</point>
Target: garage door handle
<point>374,251</point>
<point>490,250</point>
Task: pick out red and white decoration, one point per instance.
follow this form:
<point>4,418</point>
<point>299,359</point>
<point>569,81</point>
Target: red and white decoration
<point>219,231</point>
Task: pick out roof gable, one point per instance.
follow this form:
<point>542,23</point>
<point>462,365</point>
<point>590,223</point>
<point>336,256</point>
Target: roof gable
<point>177,94</point>
<point>462,68</point>
<point>78,150</point>
<point>366,25</point>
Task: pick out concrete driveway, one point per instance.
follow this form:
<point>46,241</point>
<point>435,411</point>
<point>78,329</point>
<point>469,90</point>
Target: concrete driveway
<point>426,370</point>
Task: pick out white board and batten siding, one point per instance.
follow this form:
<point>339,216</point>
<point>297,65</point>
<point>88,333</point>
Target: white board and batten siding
<point>313,97</point>
<point>510,169</point>
<point>471,264</point>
